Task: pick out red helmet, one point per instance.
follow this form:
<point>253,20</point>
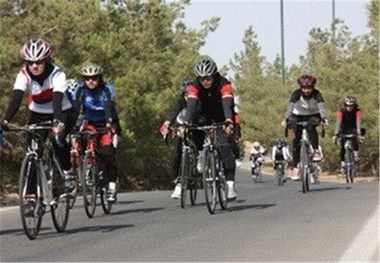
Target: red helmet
<point>306,81</point>
<point>35,50</point>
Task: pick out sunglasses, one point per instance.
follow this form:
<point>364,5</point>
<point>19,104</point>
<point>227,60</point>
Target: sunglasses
<point>206,78</point>
<point>38,62</point>
<point>93,78</point>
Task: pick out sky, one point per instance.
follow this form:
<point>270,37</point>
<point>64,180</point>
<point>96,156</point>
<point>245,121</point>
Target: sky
<point>300,16</point>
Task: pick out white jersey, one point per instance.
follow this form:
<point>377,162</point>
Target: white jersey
<point>40,98</point>
<point>284,152</point>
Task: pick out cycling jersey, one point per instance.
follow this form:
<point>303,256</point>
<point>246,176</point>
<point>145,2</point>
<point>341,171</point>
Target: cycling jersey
<point>40,88</point>
<point>98,104</point>
<point>306,106</point>
<point>216,102</point>
<point>348,122</point>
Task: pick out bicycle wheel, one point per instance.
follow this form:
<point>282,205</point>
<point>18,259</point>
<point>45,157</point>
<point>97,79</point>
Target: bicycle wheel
<point>184,176</point>
<point>280,174</point>
<point>89,186</point>
<point>31,209</point>
<point>348,166</point>
<point>102,189</point>
<point>304,168</point>
<point>209,181</point>
<point>221,183</point>
<point>194,178</point>
<point>60,209</point>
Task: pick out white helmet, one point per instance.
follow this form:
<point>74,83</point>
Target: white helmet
<point>91,70</point>
<point>35,50</point>
<point>205,67</point>
<point>71,85</point>
<point>256,144</point>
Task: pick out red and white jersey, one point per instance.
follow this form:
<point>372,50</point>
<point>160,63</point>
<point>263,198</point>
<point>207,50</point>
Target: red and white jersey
<point>40,98</point>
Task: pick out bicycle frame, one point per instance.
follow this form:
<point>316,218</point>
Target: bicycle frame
<point>280,171</point>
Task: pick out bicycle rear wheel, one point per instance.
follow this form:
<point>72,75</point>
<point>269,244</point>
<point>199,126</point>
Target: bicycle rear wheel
<point>61,208</point>
<point>209,181</point>
<point>89,186</point>
<point>31,210</point>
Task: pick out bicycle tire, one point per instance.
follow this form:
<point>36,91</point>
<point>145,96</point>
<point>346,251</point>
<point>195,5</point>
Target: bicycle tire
<point>193,181</point>
<point>348,166</point>
<point>60,210</point>
<point>209,181</point>
<point>184,177</point>
<point>89,188</point>
<point>221,183</point>
<point>304,168</point>
<point>106,206</point>
<point>30,224</point>
<point>280,174</point>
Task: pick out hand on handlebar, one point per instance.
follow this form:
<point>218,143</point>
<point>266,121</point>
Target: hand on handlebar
<point>228,126</point>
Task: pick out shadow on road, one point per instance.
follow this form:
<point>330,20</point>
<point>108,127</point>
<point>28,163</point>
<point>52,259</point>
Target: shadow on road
<point>142,210</point>
<point>330,189</point>
<point>253,206</point>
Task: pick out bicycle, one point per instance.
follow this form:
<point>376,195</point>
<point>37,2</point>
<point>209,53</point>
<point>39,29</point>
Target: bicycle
<point>280,171</point>
<point>349,161</point>
<point>214,181</point>
<point>91,173</point>
<point>306,164</point>
<point>41,182</point>
<point>189,177</point>
<point>256,171</point>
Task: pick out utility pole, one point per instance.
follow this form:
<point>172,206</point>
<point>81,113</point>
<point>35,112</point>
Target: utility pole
<point>333,21</point>
<point>282,43</point>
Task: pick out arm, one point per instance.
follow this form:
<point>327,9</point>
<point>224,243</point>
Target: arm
<point>339,117</point>
<point>321,105</point>
<point>14,105</point>
<point>192,101</point>
<point>358,122</point>
<point>227,102</point>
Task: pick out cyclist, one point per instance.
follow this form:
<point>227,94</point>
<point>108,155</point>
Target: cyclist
<point>175,117</point>
<point>256,156</point>
<point>349,122</point>
<point>280,152</point>
<point>45,84</point>
<point>214,94</point>
<point>306,104</point>
<point>96,99</point>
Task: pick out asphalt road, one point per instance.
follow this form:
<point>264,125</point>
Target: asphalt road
<point>333,222</point>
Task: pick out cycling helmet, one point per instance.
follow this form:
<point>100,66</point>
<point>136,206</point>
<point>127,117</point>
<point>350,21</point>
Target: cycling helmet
<point>280,143</point>
<point>91,70</point>
<point>256,144</point>
<point>205,67</point>
<point>307,81</point>
<point>35,50</point>
<point>349,101</point>
<point>184,85</point>
<point>71,85</point>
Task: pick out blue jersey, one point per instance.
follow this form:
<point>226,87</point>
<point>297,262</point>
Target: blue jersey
<point>98,105</point>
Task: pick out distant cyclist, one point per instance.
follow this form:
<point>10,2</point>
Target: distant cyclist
<point>96,99</point>
<point>348,121</point>
<point>280,152</point>
<point>257,155</point>
<point>306,104</point>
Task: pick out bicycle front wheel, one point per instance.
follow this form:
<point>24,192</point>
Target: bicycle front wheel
<point>106,205</point>
<point>304,168</point>
<point>89,186</point>
<point>195,178</point>
<point>184,177</point>
<point>60,209</point>
<point>348,166</point>
<point>31,211</point>
<point>280,174</point>
<point>209,181</point>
